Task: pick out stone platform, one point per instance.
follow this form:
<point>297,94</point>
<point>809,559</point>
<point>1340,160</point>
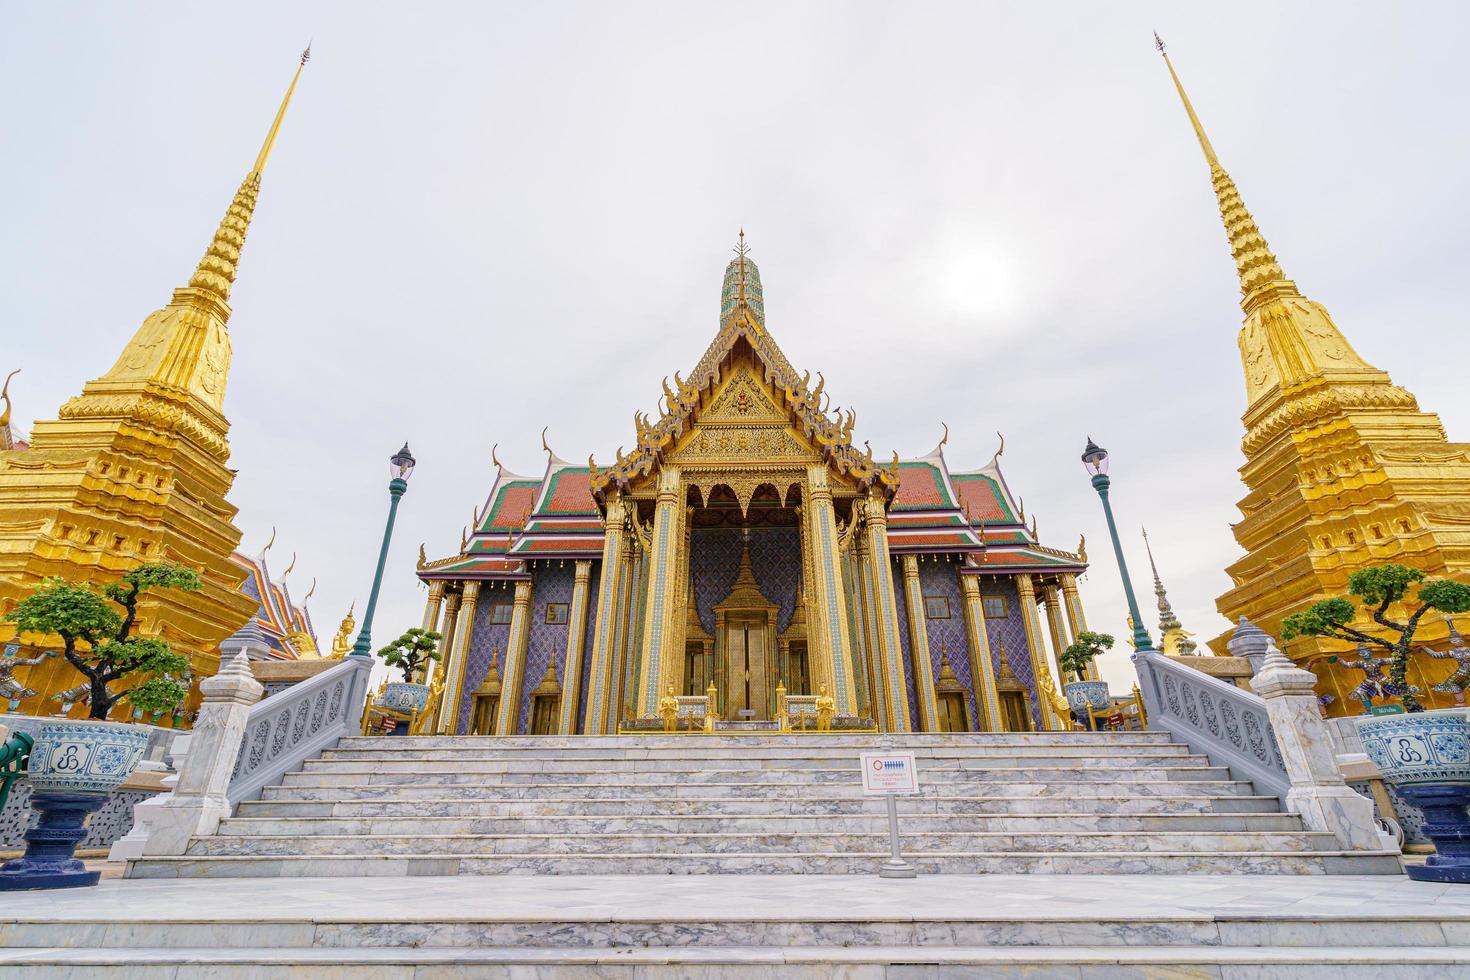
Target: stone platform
<point>1050,803</point>
<point>1236,926</point>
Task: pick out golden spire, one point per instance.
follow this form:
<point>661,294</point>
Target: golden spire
<point>216,272</point>
<point>1254,261</point>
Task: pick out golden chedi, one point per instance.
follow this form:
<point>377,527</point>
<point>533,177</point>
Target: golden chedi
<point>1342,468</point>
<point>134,469</point>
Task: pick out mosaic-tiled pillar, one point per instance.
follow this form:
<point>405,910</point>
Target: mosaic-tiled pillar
<point>1076,621</point>
<point>459,658</point>
<point>629,648</point>
<point>890,654</point>
<point>852,606</point>
<point>571,687</point>
<point>878,700</point>
<point>928,701</point>
<point>1050,596</point>
<point>658,626</point>
<point>1031,618</point>
<point>982,671</point>
<point>436,669</point>
<point>509,722</point>
<point>827,589</point>
<point>605,629</point>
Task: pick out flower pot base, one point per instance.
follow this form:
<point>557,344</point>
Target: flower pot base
<point>50,845</point>
<point>1448,825</point>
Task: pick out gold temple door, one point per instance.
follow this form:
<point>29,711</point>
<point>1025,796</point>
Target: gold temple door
<point>748,664</point>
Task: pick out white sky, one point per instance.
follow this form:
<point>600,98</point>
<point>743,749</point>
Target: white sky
<point>485,218</point>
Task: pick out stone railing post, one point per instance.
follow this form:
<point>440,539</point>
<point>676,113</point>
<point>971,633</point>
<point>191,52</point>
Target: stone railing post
<point>1318,794</point>
<point>199,800</point>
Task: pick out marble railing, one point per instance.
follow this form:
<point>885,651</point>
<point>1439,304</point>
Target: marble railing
<point>289,727</point>
<point>1214,718</point>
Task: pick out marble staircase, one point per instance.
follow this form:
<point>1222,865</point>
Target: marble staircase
<point>1127,803</point>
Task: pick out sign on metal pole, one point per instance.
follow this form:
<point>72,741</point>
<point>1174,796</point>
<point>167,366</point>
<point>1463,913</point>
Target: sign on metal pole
<point>890,774</point>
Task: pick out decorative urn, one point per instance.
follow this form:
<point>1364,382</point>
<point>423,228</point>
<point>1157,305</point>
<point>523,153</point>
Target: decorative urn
<point>406,697</point>
<point>74,766</point>
<point>1426,757</point>
<point>1083,694</point>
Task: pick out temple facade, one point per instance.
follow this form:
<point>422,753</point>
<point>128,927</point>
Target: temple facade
<point>1343,470</point>
<point>748,552</point>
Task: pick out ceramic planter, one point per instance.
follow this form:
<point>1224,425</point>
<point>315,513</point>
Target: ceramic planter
<point>1082,694</point>
<point>85,756</point>
<point>1426,747</point>
<point>405,697</point>
<point>1426,756</point>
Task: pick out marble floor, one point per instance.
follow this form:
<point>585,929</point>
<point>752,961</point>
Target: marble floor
<point>806,897</point>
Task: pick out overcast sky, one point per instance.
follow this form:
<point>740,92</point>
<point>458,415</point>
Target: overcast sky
<point>482,219</point>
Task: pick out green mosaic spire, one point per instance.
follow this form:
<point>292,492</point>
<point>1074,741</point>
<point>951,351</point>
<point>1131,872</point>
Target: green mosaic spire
<point>742,270</point>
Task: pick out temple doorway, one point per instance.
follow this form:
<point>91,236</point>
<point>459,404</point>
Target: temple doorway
<point>745,630</point>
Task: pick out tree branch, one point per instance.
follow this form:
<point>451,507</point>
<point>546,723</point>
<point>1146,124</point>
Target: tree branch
<point>131,605</point>
<point>1348,633</point>
<point>1383,620</point>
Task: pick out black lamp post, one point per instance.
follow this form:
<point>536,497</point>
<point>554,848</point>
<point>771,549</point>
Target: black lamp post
<point>1095,458</point>
<point>400,467</point>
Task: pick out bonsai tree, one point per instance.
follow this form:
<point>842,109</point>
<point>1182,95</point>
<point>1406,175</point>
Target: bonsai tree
<point>1088,647</point>
<point>100,643</point>
<point>411,651</point>
<point>1379,588</point>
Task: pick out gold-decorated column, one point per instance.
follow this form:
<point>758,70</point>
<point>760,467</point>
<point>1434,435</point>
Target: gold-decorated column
<point>605,629</point>
<point>924,695</point>
<point>571,685</point>
<point>982,671</point>
<point>827,591</point>
<point>509,722</point>
<point>459,658</point>
<point>1049,595</point>
<point>887,649</point>
<point>658,626</point>
<point>430,624</point>
<point>1031,617</point>
<point>1076,621</point>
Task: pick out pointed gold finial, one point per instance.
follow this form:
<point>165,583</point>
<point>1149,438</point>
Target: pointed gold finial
<point>216,272</point>
<point>943,440</point>
<point>289,567</point>
<point>309,592</point>
<point>7,438</point>
<point>1199,130</point>
<point>494,459</point>
<point>270,542</point>
<point>1255,264</point>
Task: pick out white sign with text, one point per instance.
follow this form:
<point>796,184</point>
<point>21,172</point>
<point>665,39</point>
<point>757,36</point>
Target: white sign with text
<point>890,772</point>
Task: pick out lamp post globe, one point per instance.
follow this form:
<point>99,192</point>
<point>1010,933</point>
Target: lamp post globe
<point>1095,459</point>
<point>400,468</point>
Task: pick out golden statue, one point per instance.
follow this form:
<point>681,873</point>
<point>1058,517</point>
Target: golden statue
<point>1053,701</point>
<point>341,645</point>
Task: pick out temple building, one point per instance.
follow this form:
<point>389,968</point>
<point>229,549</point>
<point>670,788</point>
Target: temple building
<point>135,468</point>
<point>1343,470</point>
<point>748,551</point>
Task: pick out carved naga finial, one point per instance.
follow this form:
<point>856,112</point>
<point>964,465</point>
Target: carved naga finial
<point>5,394</point>
<point>1000,451</point>
<point>269,543</point>
<point>494,459</point>
<point>424,556</point>
<point>309,592</point>
<point>942,440</point>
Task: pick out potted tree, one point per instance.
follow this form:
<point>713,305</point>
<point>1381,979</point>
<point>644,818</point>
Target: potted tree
<point>1082,693</point>
<point>411,653</point>
<point>76,764</point>
<point>1424,754</point>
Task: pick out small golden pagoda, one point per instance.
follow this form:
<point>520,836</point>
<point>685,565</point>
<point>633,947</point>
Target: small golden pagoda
<point>1343,469</point>
<point>134,469</point>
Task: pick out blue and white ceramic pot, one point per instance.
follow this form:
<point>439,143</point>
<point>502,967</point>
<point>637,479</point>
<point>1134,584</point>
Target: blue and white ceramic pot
<point>1081,694</point>
<point>85,756</point>
<point>406,697</point>
<point>1425,747</point>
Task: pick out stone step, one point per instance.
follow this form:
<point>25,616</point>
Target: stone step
<point>848,863</point>
<point>514,764</point>
<point>658,962</point>
<point>935,755</point>
<point>814,778</point>
<point>907,741</point>
<point>783,843</point>
<point>873,821</point>
<point>398,801</point>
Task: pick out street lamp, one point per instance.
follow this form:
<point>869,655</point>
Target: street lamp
<point>1095,458</point>
<point>400,467</point>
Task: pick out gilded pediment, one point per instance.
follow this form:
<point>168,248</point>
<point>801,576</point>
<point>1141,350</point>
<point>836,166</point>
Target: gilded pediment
<point>744,400</point>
